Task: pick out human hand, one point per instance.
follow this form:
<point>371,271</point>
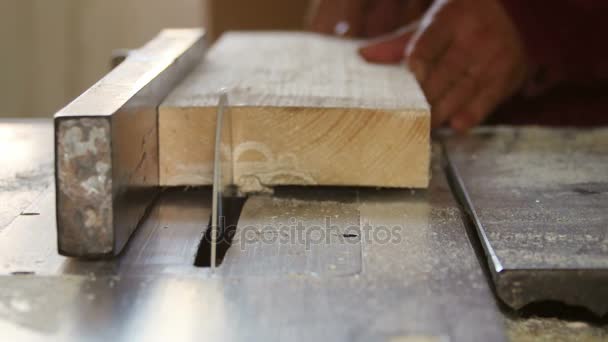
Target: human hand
<point>466,54</point>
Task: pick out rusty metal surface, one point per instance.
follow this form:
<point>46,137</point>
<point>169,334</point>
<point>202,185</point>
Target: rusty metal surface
<point>403,270</point>
<point>106,145</point>
<point>539,200</point>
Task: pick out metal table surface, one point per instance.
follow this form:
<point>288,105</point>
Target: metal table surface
<point>338,264</point>
<point>539,198</point>
<point>426,283</point>
<point>26,160</point>
<point>425,286</point>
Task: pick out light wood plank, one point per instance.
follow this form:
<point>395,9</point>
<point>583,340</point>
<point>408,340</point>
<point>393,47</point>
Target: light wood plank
<point>306,110</point>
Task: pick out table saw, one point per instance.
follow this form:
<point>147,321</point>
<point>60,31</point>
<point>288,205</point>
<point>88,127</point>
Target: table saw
<point>514,219</point>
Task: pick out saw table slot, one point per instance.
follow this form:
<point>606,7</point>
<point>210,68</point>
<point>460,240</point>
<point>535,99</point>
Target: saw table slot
<point>226,231</point>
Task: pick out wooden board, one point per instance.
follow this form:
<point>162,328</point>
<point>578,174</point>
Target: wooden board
<point>306,110</point>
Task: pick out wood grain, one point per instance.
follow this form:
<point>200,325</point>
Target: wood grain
<point>306,109</point>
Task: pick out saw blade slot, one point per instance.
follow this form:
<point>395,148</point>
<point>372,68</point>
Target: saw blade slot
<point>225,233</point>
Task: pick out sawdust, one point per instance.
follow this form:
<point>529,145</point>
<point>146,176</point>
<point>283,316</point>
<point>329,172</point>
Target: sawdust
<point>539,157</point>
<point>554,330</point>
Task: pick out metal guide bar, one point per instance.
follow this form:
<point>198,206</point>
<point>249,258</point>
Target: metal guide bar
<point>106,145</point>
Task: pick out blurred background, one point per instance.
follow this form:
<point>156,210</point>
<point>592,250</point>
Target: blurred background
<point>53,50</point>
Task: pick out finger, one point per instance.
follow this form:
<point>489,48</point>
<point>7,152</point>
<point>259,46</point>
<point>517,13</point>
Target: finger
<point>388,49</point>
<point>448,105</point>
<point>442,75</point>
<point>454,80</point>
<point>502,80</point>
<point>463,59</point>
<point>481,105</point>
<point>427,46</point>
